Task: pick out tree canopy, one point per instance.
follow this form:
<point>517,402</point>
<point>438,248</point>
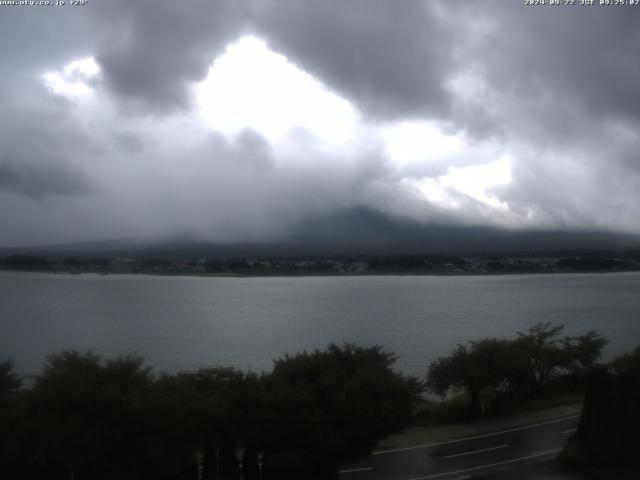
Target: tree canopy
<point>523,365</point>
<point>482,364</point>
<point>87,417</point>
<point>338,402</point>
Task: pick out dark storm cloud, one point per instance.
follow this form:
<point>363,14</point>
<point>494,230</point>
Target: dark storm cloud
<point>152,51</point>
<point>36,153</point>
<point>38,39</point>
<point>39,179</point>
<point>586,55</point>
<point>394,59</point>
<point>390,57</point>
<point>42,145</point>
<point>562,86</point>
<point>565,70</point>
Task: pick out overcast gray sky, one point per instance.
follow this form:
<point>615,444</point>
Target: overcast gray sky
<point>236,120</point>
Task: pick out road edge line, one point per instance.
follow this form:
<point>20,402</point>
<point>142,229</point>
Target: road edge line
<point>489,465</point>
<point>482,450</point>
<point>484,435</point>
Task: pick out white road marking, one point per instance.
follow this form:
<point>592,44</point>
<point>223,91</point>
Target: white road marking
<point>476,451</point>
<point>354,470</point>
<point>435,444</point>
<point>489,465</point>
<point>571,430</point>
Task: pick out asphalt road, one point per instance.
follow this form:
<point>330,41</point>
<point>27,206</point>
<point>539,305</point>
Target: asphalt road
<point>465,457</point>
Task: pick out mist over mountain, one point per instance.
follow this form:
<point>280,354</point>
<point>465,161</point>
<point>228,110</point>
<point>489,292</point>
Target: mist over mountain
<point>367,231</point>
<point>353,232</point>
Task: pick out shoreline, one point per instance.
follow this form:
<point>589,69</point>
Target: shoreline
<point>337,274</point>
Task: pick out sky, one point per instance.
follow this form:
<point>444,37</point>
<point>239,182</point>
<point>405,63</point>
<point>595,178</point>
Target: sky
<point>240,120</point>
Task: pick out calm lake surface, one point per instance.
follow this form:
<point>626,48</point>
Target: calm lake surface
<point>187,322</point>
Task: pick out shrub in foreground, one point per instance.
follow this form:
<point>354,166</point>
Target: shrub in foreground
<point>92,418</point>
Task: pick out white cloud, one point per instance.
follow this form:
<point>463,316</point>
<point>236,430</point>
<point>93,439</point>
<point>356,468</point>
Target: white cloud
<point>73,80</point>
<point>467,194</point>
<point>250,86</point>
<point>411,142</point>
<point>477,181</point>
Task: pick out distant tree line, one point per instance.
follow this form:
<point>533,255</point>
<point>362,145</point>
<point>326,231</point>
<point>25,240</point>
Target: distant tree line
<point>496,373</point>
<point>86,417</point>
<point>334,264</point>
<point>24,262</point>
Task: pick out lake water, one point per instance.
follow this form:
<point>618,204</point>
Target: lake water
<point>187,322</point>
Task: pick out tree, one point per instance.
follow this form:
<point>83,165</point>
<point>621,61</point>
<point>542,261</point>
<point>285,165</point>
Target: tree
<point>522,366</point>
<point>482,365</point>
<point>90,418</point>
<point>627,362</point>
<point>230,413</point>
<point>330,407</point>
<point>543,355</point>
<point>10,384</point>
